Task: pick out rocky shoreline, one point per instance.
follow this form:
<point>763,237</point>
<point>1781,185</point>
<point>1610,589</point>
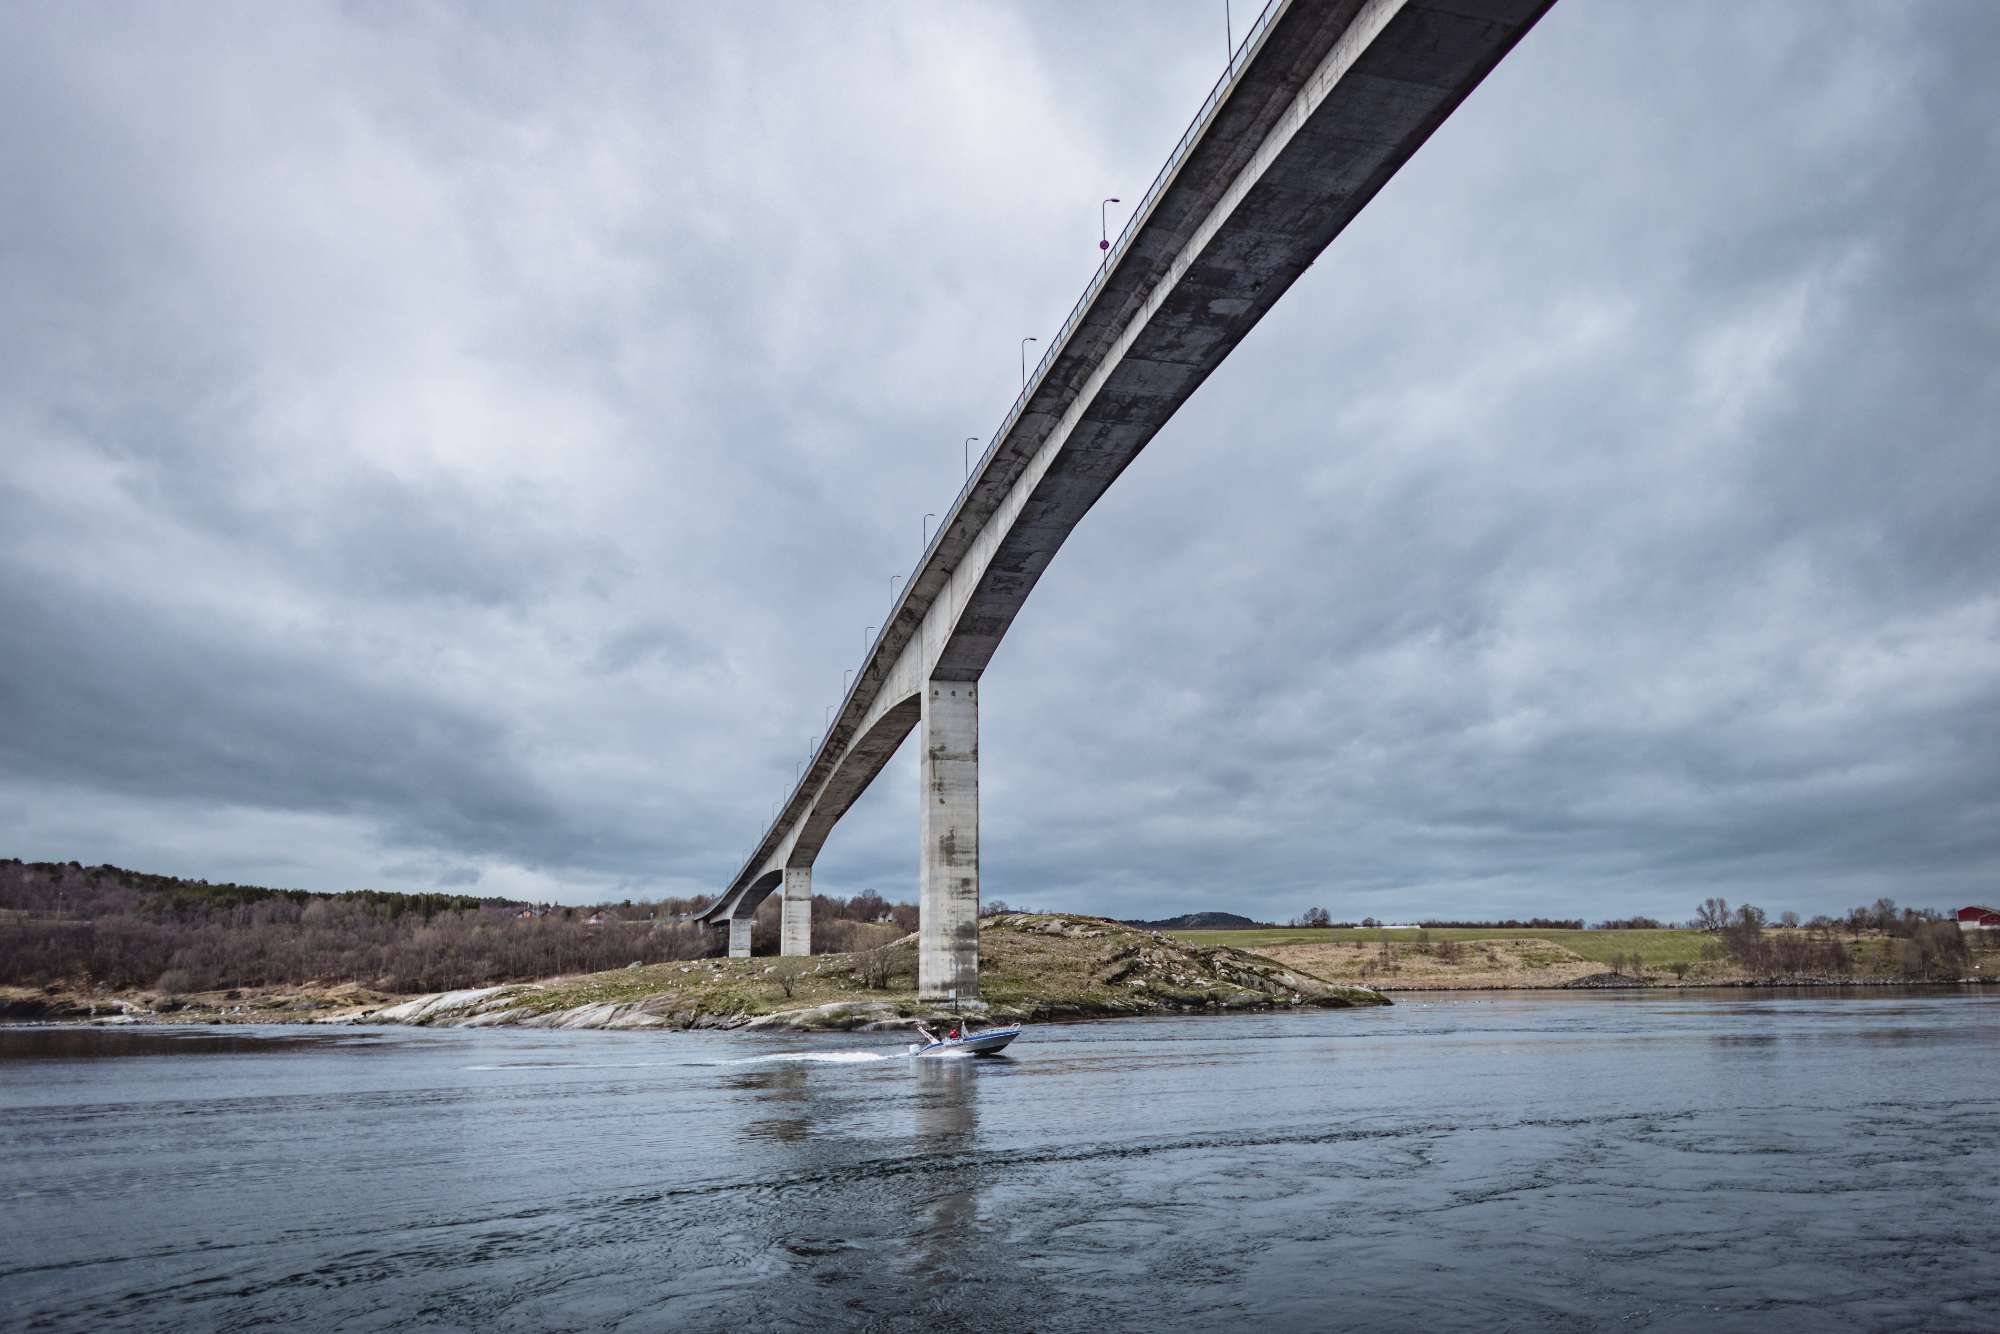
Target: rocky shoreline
<point>511,1005</point>
<point>1618,982</point>
<point>1038,967</point>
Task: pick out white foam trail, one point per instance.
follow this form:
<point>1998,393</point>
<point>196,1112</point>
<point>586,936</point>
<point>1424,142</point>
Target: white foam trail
<point>571,1065</point>
<point>813,1057</point>
<point>823,1057</point>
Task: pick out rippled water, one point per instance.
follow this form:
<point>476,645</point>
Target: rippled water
<point>1815,1161</point>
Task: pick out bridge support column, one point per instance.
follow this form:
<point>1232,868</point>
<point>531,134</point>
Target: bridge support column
<point>948,874</point>
<point>795,927</point>
<point>739,937</point>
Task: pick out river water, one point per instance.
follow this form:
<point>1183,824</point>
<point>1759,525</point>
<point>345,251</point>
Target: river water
<point>1660,1161</point>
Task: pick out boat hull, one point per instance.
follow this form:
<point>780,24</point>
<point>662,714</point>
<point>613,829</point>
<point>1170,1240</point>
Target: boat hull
<point>988,1043</point>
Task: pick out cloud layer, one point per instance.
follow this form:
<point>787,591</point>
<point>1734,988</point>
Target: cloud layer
<point>464,447</point>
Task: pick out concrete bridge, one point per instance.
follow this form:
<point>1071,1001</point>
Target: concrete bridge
<point>1322,102</point>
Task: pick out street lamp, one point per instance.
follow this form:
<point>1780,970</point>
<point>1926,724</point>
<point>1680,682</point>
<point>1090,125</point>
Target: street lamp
<point>1103,227</point>
<point>970,441</point>
<point>1024,359</point>
<point>892,590</point>
<point>845,677</point>
<point>927,530</point>
<point>867,638</point>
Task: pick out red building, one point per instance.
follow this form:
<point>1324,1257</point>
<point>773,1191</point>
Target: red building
<point>1978,919</point>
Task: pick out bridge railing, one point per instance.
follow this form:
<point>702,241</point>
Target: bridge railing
<point>1239,59</point>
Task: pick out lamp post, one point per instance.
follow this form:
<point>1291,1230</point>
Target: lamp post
<point>892,590</point>
<point>970,441</point>
<point>927,530</point>
<point>867,638</point>
<point>845,677</point>
<point>1104,228</point>
<point>1024,359</point>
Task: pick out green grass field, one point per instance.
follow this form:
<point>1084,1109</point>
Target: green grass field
<point>1658,948</point>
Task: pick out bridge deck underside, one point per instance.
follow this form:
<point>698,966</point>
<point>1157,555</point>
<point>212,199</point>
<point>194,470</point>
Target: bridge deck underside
<point>1352,142</point>
<point>1332,101</point>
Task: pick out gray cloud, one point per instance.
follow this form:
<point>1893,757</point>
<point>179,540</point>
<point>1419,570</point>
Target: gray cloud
<point>464,447</point>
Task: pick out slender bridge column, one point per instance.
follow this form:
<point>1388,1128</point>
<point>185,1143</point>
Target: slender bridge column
<point>739,937</point>
<point>795,927</point>
<point>948,876</point>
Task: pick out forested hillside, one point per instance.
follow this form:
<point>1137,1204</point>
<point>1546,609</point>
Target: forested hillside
<point>110,927</point>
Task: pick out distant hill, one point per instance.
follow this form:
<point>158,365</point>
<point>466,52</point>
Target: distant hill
<point>75,892</point>
<point>86,927</point>
<point>1202,921</point>
<point>66,924</point>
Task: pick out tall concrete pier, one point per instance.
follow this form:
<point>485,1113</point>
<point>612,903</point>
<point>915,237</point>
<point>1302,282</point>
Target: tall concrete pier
<point>795,925</point>
<point>948,874</point>
<point>1322,103</point>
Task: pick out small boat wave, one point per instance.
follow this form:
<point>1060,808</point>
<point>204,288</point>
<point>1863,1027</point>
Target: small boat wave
<point>813,1057</point>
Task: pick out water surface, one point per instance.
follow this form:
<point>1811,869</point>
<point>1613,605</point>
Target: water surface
<point>1660,1161</point>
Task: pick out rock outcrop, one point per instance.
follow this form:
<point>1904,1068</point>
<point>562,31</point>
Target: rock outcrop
<point>1037,966</point>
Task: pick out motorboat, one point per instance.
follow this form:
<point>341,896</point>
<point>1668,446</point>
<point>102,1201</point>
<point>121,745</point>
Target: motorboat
<point>986,1042</point>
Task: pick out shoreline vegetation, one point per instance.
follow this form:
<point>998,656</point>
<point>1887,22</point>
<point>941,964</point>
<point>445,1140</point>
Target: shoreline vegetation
<point>108,945</point>
<point>1035,967</point>
<point>1745,953</point>
<point>107,927</point>
<point>1038,967</point>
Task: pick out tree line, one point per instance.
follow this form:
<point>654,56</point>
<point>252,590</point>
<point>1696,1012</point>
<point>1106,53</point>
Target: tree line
<point>1883,915</point>
<point>108,926</point>
<point>1923,944</point>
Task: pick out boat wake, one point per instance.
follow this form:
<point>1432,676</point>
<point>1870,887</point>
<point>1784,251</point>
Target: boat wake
<point>815,1057</point>
<point>572,1065</point>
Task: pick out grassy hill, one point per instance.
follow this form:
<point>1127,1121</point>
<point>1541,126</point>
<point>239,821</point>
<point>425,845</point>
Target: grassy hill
<point>1033,966</point>
<point>1446,957</point>
<point>1660,949</point>
<point>1200,921</point>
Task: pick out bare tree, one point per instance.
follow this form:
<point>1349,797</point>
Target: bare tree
<point>786,972</point>
<point>875,967</point>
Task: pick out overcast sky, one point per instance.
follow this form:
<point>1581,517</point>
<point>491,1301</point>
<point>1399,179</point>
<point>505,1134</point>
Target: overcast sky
<point>463,446</point>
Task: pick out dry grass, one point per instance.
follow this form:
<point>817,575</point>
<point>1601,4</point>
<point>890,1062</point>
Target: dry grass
<point>1660,949</point>
<point>1499,957</point>
<point>1033,965</point>
<point>1496,962</point>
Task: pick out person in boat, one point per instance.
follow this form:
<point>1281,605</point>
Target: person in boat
<point>953,1035</point>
